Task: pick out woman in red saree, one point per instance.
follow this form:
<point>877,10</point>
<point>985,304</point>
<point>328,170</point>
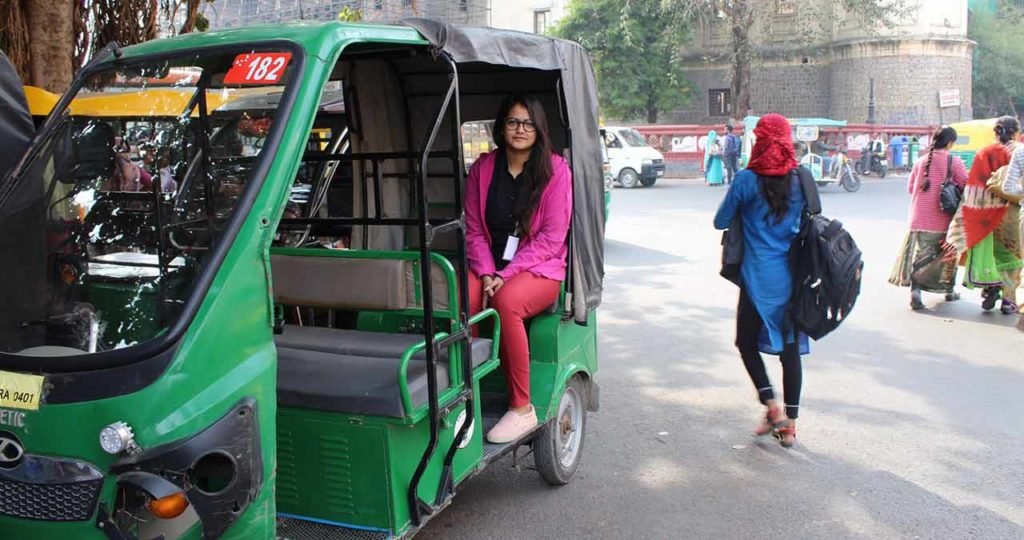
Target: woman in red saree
<point>986,228</point>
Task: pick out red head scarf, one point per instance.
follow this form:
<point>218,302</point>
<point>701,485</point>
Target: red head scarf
<point>773,151</point>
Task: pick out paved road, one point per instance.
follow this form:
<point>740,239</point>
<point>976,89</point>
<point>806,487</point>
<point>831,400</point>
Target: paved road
<point>911,425</point>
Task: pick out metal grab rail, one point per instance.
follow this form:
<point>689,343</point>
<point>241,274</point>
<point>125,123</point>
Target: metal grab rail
<point>403,366</point>
<point>403,375</point>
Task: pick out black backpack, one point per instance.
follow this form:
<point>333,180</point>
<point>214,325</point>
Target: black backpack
<point>827,268</point>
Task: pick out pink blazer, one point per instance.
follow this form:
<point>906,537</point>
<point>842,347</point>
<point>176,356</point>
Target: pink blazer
<point>545,251</point>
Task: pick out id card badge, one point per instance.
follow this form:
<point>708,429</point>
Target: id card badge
<point>510,248</point>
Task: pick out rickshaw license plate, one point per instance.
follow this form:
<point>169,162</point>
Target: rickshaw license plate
<point>20,391</point>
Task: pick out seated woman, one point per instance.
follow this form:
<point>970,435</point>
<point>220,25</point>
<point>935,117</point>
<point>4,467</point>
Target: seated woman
<point>518,208</point>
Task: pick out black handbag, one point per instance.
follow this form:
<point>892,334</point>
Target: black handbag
<point>949,198</point>
<point>732,250</point>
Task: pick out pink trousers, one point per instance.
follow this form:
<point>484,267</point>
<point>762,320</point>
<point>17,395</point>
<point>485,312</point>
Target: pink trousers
<point>521,297</point>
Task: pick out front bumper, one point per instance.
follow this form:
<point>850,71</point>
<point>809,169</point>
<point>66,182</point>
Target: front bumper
<point>656,170</point>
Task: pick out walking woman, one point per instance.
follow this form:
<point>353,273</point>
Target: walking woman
<point>518,208</point>
<point>1013,185</point>
<point>926,261</point>
<point>713,167</point>
<point>768,198</point>
<point>988,226</point>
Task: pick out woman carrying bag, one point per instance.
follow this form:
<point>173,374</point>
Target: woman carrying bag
<point>926,262</point>
<point>768,197</point>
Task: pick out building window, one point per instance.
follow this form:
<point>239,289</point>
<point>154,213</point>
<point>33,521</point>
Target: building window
<point>541,20</point>
<point>463,5</point>
<point>719,102</point>
<point>785,7</point>
<point>378,4</point>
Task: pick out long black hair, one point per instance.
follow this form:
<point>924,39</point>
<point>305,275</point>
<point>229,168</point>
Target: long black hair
<point>776,193</point>
<point>941,140</point>
<point>537,170</point>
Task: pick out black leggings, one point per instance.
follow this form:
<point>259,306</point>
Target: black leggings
<point>748,329</point>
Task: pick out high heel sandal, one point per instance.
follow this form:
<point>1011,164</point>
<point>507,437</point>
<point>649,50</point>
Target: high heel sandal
<point>786,434</point>
<point>773,419</point>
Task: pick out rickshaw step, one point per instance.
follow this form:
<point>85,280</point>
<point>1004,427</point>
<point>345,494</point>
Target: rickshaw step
<point>296,528</point>
<point>493,452</point>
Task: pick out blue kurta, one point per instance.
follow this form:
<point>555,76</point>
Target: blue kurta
<point>765,270</point>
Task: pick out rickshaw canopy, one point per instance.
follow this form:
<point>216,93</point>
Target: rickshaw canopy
<point>750,122</point>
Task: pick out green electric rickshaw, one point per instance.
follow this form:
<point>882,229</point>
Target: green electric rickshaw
<point>267,339</point>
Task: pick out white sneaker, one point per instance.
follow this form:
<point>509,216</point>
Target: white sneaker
<point>512,426</point>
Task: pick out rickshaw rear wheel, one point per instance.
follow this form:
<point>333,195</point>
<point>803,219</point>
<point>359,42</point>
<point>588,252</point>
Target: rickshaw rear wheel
<point>558,449</point>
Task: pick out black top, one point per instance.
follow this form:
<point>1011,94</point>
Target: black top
<point>505,200</point>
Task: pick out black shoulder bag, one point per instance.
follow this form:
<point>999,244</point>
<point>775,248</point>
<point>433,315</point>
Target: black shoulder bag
<point>732,250</point>
<point>949,198</point>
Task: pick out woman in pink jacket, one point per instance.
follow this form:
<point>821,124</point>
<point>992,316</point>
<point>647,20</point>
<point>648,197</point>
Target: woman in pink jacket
<point>518,208</point>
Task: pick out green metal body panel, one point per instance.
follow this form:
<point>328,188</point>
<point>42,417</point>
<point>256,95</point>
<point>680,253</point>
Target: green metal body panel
<point>355,469</point>
<point>607,205</point>
<point>339,467</point>
<point>558,350</point>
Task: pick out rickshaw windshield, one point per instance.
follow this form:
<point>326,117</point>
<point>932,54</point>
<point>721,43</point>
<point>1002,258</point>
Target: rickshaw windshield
<point>106,227</point>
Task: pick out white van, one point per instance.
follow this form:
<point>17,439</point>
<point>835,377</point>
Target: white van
<point>633,161</point>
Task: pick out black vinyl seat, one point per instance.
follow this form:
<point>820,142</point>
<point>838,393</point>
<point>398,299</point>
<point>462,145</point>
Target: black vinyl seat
<point>353,371</point>
<point>349,384</point>
<point>363,343</point>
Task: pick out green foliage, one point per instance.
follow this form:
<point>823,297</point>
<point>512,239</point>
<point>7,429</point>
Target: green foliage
<point>635,47</point>
<point>348,14</point>
<point>202,23</point>
<point>999,57</point>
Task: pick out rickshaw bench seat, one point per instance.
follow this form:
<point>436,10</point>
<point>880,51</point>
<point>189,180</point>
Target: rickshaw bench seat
<point>349,383</point>
<point>363,343</point>
<point>353,371</point>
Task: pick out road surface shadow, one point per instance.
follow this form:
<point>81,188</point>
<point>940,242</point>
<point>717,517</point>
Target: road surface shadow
<point>626,255</point>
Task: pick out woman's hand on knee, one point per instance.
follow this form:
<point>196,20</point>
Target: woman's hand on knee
<point>492,285</point>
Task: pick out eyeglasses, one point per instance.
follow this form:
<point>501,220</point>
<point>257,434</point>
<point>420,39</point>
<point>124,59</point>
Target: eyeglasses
<point>512,124</point>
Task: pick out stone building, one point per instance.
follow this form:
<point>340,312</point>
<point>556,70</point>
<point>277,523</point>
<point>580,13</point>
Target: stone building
<point>815,60</point>
<point>233,13</point>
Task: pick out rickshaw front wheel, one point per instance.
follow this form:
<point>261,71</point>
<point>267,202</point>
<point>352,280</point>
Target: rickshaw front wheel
<point>850,182</point>
<point>558,449</point>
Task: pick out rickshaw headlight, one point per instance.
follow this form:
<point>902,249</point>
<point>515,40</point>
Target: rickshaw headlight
<point>117,437</point>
